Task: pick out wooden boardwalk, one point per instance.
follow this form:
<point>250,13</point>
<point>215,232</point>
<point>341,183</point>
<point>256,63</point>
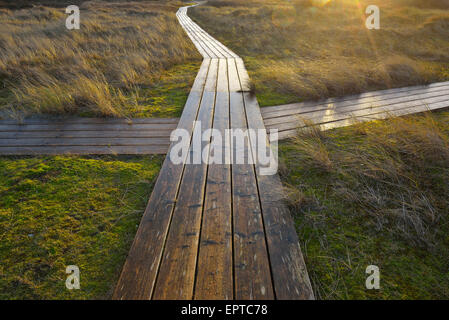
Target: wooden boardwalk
<point>152,135</point>
<point>218,231</point>
<point>339,112</point>
<point>86,136</point>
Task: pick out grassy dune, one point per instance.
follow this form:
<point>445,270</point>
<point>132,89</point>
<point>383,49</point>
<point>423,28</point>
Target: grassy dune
<point>373,194</point>
<point>107,68</point>
<point>295,50</point>
<point>59,211</point>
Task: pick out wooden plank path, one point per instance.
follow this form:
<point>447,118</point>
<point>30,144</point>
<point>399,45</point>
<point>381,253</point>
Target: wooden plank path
<point>86,136</point>
<point>213,231</point>
<point>152,135</point>
<point>339,112</point>
<point>218,231</point>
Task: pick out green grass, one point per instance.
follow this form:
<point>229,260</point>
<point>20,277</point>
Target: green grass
<point>60,210</point>
<point>166,99</point>
<point>373,194</point>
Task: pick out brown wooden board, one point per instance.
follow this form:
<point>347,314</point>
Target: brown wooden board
<point>251,263</point>
<point>84,150</point>
<point>356,97</point>
<point>75,120</point>
<point>357,104</point>
<point>337,108</point>
<point>87,127</point>
<point>234,82</point>
<point>93,141</point>
<point>370,117</point>
<point>214,279</point>
<point>177,272</point>
<point>86,134</point>
<point>290,277</point>
<point>324,117</point>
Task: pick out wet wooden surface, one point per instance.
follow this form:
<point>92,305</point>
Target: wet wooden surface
<point>85,136</point>
<point>340,112</point>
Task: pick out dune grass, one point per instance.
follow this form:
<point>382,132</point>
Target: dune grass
<point>60,210</point>
<point>300,49</point>
<point>107,68</point>
<point>373,194</point>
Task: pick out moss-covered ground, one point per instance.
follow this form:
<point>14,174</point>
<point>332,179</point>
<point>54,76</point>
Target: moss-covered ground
<point>57,211</point>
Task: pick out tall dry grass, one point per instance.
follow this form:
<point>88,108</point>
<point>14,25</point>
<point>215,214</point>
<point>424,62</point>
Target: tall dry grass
<point>374,193</point>
<point>45,68</point>
<point>313,49</point>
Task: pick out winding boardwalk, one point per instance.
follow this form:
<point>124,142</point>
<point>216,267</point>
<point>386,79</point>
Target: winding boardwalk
<point>215,231</point>
<point>369,106</point>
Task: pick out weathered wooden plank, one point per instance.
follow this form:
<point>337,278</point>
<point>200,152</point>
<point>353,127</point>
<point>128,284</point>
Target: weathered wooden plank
<point>234,81</point>
<point>214,279</point>
<point>211,81</point>
<point>354,105</point>
<point>87,127</point>
<point>290,277</point>
<point>387,114</point>
<point>206,35</point>
<point>325,116</point>
<point>92,141</point>
<point>77,150</point>
<point>201,38</point>
<point>225,50</point>
<point>210,45</point>
<point>196,37</point>
<point>379,93</point>
<point>76,120</point>
<point>243,75</point>
<point>358,104</point>
<point>183,21</point>
<point>369,117</point>
<point>177,272</point>
<point>211,42</point>
<point>251,264</point>
<point>198,84</point>
<point>222,82</point>
<point>86,134</point>
<point>139,272</point>
<point>320,115</point>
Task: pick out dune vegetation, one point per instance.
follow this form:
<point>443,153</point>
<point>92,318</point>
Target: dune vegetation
<point>114,65</point>
<point>308,49</point>
<point>373,194</point>
<point>128,59</point>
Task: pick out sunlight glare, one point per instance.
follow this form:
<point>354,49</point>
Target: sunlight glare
<point>320,3</point>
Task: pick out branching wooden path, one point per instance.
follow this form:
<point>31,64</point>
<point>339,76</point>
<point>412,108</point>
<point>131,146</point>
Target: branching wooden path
<point>339,112</point>
<point>218,231</point>
<point>152,135</point>
<point>215,231</point>
<point>86,136</point>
